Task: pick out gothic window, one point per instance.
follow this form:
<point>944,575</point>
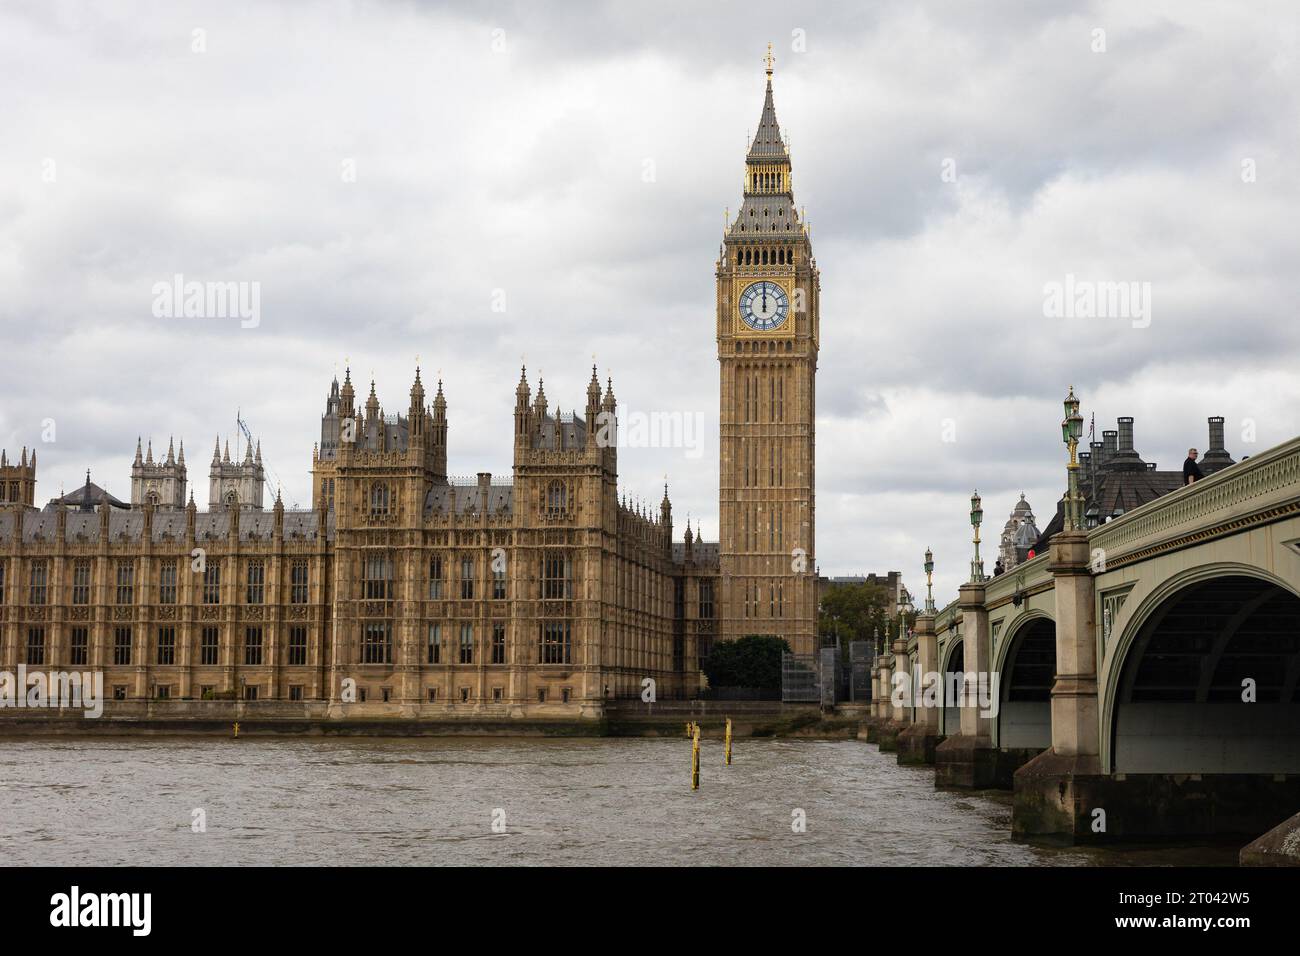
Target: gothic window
<point>232,498</point>
<point>555,643</point>
<point>166,645</point>
<point>125,582</point>
<point>498,643</point>
<point>466,579</point>
<point>252,645</point>
<point>212,582</point>
<point>79,647</point>
<point>256,590</point>
<point>557,576</point>
<point>498,584</point>
<point>557,499</point>
<point>152,498</point>
<point>377,642</point>
<point>2,578</point>
<point>706,599</point>
<point>379,498</point>
<point>166,582</point>
<point>298,645</point>
<point>435,580</point>
<point>467,643</point>
<point>122,646</point>
<point>39,573</point>
<point>81,582</point>
<point>377,577</point>
<point>298,581</point>
<point>434,644</point>
<point>35,646</point>
<point>209,646</point>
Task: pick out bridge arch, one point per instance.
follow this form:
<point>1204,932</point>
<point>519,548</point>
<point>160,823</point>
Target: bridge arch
<point>1172,699</point>
<point>1026,668</point>
<point>954,659</point>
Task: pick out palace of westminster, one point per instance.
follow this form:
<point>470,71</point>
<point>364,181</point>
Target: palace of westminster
<point>405,593</point>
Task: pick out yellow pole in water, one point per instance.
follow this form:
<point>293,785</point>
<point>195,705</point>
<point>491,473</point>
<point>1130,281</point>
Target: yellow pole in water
<point>728,741</point>
<point>695,759</point>
<point>236,728</point>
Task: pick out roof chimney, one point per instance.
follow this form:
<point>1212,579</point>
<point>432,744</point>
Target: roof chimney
<point>1109,439</point>
<point>1216,456</point>
<point>1125,434</point>
<point>1125,455</point>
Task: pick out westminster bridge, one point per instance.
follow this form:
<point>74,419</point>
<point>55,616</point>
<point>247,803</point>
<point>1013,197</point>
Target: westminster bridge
<point>1144,672</point>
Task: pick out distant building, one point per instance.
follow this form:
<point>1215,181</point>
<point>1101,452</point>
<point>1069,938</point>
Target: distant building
<point>161,483</point>
<point>18,479</point>
<point>1019,535</point>
<point>1114,479</point>
<point>236,484</point>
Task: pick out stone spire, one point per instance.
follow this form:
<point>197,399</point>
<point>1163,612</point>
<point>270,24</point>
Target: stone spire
<point>139,452</point>
<point>171,450</point>
<point>768,146</point>
<point>346,395</point>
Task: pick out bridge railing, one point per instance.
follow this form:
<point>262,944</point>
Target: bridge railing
<point>1268,480</point>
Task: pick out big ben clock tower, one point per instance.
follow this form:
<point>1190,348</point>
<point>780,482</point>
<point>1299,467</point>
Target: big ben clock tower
<point>767,303</point>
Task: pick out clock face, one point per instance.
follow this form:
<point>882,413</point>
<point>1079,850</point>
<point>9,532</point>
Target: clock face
<point>764,306</point>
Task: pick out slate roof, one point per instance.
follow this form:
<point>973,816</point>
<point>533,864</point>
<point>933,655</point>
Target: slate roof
<point>705,553</point>
<point>87,496</point>
<point>464,499</point>
<point>768,145</point>
<point>83,526</point>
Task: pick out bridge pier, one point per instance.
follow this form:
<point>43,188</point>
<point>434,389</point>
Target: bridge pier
<point>886,726</point>
<point>1058,792</point>
<point>968,760</point>
<point>917,742</point>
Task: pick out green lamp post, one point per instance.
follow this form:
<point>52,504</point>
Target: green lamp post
<point>929,581</point>
<point>1071,431</point>
<point>976,518</point>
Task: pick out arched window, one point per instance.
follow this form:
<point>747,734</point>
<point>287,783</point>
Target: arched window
<point>557,499</point>
<point>232,498</point>
<point>379,499</point>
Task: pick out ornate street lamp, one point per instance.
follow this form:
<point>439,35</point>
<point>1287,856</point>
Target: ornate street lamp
<point>1071,431</point>
<point>929,581</point>
<point>976,517</point>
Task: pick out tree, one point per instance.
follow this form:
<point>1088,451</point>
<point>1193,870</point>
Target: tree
<point>856,612</point>
<point>753,661</point>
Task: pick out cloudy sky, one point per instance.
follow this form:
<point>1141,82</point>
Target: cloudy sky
<point>389,172</point>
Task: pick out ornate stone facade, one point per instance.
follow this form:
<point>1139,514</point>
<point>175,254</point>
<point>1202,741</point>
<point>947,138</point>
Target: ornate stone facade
<point>768,309</point>
<point>406,592</point>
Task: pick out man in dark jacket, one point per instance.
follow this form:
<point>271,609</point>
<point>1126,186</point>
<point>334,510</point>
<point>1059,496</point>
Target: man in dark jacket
<point>1191,470</point>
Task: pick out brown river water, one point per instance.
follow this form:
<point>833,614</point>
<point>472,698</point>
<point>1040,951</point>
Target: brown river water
<point>435,800</point>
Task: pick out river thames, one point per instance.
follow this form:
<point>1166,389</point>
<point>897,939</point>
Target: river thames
<point>435,801</point>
